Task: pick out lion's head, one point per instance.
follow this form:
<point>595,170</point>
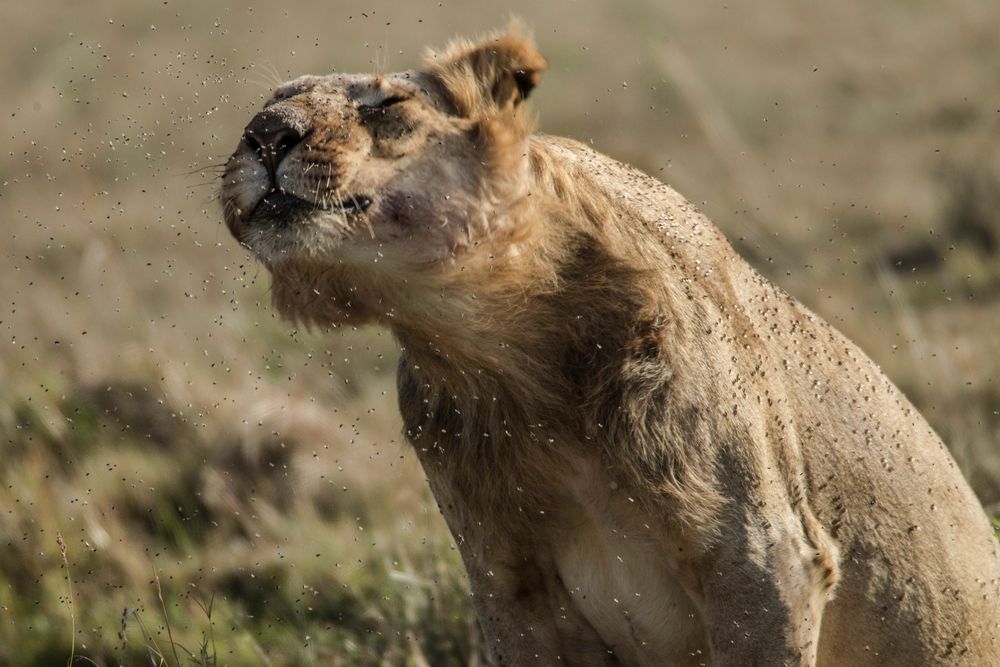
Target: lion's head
<point>409,170</point>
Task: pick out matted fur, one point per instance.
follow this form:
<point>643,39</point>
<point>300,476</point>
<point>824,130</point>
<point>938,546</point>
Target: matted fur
<point>647,453</point>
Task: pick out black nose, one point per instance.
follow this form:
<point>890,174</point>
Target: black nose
<point>272,137</point>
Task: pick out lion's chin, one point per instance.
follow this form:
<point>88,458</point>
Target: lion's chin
<point>283,226</point>
<point>284,210</point>
<point>281,207</point>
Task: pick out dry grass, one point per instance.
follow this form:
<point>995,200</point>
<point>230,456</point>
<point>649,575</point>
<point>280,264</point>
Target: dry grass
<point>162,434</point>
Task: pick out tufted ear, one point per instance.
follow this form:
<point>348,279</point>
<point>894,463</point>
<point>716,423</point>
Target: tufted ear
<point>488,76</point>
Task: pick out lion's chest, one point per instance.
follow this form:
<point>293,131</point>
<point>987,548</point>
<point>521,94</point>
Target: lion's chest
<point>618,576</point>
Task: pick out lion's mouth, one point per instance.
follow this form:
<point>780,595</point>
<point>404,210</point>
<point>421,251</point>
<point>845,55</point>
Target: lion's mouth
<point>281,206</point>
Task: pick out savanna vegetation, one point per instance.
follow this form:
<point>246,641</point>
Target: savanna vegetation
<point>185,478</point>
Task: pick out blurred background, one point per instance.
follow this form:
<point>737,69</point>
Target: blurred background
<point>186,477</point>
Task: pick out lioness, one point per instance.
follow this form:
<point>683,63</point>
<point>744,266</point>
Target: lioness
<point>647,453</point>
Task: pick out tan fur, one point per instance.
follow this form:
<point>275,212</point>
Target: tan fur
<point>647,453</point>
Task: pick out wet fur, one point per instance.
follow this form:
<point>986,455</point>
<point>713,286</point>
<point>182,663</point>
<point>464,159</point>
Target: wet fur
<point>590,349</point>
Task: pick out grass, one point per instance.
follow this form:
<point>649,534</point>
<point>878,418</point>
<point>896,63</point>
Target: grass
<point>185,479</point>
<point>310,573</point>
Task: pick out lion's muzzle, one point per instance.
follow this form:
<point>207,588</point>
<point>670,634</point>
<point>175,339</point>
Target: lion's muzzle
<point>271,136</point>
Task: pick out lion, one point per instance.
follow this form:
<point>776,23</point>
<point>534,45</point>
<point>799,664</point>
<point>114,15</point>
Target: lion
<point>647,453</point>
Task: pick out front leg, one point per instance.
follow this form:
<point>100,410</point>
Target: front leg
<point>765,586</point>
<point>526,614</point>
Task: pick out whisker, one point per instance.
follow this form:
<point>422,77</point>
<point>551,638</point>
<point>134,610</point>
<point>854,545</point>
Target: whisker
<point>276,77</point>
<point>340,200</point>
<point>316,193</point>
<point>213,168</point>
<point>260,79</point>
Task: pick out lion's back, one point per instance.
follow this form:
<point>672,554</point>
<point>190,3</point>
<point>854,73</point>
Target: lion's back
<point>917,552</point>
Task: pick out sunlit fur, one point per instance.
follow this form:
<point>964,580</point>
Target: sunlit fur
<point>585,354</point>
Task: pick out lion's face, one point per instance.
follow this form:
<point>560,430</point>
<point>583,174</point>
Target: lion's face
<point>342,163</point>
<point>402,169</point>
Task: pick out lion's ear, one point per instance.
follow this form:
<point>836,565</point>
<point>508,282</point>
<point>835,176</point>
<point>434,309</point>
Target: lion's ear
<point>491,75</point>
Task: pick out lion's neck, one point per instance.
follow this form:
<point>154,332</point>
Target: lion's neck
<point>539,321</point>
<point>486,342</point>
<point>541,340</point>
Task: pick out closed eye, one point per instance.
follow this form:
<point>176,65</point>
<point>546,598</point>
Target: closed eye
<point>383,104</point>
